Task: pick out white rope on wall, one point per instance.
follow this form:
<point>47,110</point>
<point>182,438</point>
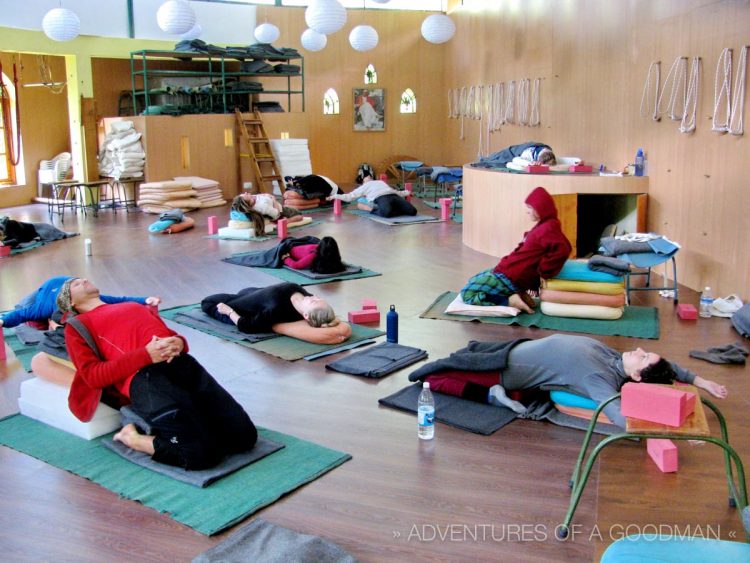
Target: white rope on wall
<point>489,118</point>
<point>461,109</point>
<point>678,76</point>
<point>510,102</point>
<point>497,105</point>
<point>652,77</point>
<point>721,92</point>
<point>477,107</point>
<point>453,97</point>
<point>523,101</point>
<point>687,125</point>
<point>736,126</point>
<point>534,117</point>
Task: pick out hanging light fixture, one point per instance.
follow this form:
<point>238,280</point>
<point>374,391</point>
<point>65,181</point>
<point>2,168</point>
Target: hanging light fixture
<point>363,38</point>
<point>194,33</point>
<point>325,16</point>
<point>381,1</point>
<point>438,28</point>
<point>313,41</point>
<point>175,17</point>
<point>61,24</point>
<point>267,33</point>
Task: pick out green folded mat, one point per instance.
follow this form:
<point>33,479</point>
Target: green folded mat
<point>637,322</point>
<point>209,510</point>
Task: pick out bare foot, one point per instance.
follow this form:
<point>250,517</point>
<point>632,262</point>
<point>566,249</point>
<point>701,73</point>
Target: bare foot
<point>131,438</point>
<point>528,299</point>
<point>364,207</point>
<point>516,301</point>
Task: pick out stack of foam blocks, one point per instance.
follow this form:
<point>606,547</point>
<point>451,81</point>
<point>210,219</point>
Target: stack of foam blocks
<point>296,200</point>
<point>158,197</point>
<point>208,192</point>
<point>580,292</point>
<point>368,314</point>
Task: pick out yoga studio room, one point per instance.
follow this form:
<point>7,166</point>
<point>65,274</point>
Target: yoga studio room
<point>374,280</point>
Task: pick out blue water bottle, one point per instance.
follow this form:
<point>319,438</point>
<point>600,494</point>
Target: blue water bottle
<point>391,324</point>
<point>639,162</point>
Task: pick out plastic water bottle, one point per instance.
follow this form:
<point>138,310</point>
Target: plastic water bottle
<point>426,414</point>
<point>391,325</point>
<point>639,162</point>
<point>706,302</point>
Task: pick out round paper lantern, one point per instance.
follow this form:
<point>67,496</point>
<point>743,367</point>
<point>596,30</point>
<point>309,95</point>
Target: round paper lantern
<point>194,33</point>
<point>381,1</point>
<point>61,24</point>
<point>267,33</point>
<point>175,17</point>
<point>313,41</point>
<point>363,38</point>
<point>325,16</point>
<point>438,28</point>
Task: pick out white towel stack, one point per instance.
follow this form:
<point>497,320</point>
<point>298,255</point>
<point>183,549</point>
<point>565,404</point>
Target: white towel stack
<point>122,154</point>
<point>292,156</point>
<point>209,191</point>
<point>157,197</point>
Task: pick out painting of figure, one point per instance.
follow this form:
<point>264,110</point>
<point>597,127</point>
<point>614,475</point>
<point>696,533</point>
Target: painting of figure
<point>369,109</point>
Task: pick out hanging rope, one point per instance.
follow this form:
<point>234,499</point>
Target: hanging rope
<point>489,117</point>
<point>736,126</point>
<point>461,109</point>
<point>653,75</point>
<point>523,101</point>
<point>687,125</point>
<point>497,106</point>
<point>13,149</point>
<point>675,75</point>
<point>453,103</point>
<point>510,102</point>
<point>723,75</point>
<point>45,75</point>
<point>534,117</point>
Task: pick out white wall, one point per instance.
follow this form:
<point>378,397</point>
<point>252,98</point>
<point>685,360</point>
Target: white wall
<point>223,24</point>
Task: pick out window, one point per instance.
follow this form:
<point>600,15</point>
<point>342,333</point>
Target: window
<point>330,102</point>
<point>408,101</point>
<point>7,170</point>
<point>371,76</point>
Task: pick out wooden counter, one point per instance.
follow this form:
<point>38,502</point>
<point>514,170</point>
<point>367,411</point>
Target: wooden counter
<point>494,216</point>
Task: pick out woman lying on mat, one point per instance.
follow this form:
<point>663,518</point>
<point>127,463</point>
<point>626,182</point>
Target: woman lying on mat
<point>382,199</point>
<point>577,364</point>
<point>256,208</point>
<point>541,254</point>
<point>285,308</point>
<point>321,258</point>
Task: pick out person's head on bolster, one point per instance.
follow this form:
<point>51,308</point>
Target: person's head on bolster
<point>317,312</point>
<point>647,367</point>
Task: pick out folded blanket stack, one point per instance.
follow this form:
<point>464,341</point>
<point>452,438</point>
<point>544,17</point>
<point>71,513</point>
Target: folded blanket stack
<point>578,291</point>
<point>642,250</point>
<point>122,154</point>
<point>296,200</point>
<point>208,191</point>
<point>158,197</point>
<point>292,156</point>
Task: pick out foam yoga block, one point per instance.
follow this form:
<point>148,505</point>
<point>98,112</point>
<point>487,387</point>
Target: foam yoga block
<point>47,402</point>
<point>687,312</point>
<point>368,316</point>
<point>213,225</point>
<point>664,454</point>
<point>3,353</point>
<point>369,304</point>
<point>655,403</point>
<point>337,207</point>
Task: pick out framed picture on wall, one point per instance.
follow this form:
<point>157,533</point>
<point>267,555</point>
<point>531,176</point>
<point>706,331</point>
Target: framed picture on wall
<point>369,109</point>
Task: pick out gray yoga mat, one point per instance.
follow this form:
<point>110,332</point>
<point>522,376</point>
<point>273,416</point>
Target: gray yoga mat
<point>28,335</point>
<point>402,220</point>
<point>263,542</point>
<point>454,411</point>
<point>380,360</point>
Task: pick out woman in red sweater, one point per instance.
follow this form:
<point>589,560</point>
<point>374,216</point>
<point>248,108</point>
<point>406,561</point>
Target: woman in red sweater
<point>541,254</point>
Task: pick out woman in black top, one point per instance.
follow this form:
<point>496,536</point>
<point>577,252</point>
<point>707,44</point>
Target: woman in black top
<point>285,308</point>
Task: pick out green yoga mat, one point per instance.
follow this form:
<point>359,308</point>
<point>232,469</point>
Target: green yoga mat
<point>23,249</point>
<point>637,322</point>
<point>23,352</point>
<point>294,277</point>
<point>284,347</point>
<point>210,510</point>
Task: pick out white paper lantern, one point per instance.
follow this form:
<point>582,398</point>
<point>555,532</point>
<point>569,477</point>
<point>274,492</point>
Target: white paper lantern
<point>438,28</point>
<point>363,38</point>
<point>267,33</point>
<point>194,33</point>
<point>313,41</point>
<point>381,1</point>
<point>61,24</point>
<point>175,17</point>
<point>325,16</point>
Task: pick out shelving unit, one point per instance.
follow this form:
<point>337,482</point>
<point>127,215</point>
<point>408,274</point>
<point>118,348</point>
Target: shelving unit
<point>219,72</point>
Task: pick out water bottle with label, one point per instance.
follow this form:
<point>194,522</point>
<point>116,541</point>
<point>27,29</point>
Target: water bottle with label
<point>426,413</point>
<point>639,158</point>
<point>706,302</point>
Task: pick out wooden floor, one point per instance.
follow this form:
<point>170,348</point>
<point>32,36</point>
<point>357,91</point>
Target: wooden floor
<point>459,497</point>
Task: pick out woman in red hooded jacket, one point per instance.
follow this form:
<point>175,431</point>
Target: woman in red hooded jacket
<point>541,254</point>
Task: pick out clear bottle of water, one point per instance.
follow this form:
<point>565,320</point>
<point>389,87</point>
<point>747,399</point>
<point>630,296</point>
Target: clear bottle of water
<point>639,162</point>
<point>426,413</point>
<point>706,302</point>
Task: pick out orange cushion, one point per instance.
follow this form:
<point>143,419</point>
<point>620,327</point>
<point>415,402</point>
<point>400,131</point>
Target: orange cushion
<point>184,225</point>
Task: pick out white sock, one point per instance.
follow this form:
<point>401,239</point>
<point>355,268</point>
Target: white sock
<point>498,398</point>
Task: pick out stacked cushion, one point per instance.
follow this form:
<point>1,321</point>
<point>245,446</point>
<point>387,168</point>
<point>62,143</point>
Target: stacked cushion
<point>157,197</point>
<point>297,201</point>
<point>208,191</point>
<point>580,292</point>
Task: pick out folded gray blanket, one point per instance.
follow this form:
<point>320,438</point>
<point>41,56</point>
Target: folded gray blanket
<point>379,360</point>
<point>609,265</point>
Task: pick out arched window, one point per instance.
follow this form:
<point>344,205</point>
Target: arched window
<point>408,101</point>
<point>371,75</point>
<point>7,115</point>
<point>330,102</point>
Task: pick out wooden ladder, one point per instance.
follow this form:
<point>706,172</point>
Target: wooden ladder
<point>253,144</point>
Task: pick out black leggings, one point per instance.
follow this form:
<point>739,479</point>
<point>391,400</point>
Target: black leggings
<point>392,205</point>
<point>195,422</point>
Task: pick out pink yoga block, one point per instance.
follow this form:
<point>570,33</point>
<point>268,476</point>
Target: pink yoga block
<point>361,317</point>
<point>687,312</point>
<point>369,304</point>
<point>664,454</point>
<point>445,207</point>
<point>655,403</point>
<point>581,168</point>
<point>408,186</point>
<point>5,251</point>
<point>281,226</point>
<point>213,225</point>
<point>537,169</point>
<point>3,353</point>
<point>337,207</point>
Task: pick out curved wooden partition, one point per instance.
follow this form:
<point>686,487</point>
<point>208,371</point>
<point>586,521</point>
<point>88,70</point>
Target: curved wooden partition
<point>494,217</point>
